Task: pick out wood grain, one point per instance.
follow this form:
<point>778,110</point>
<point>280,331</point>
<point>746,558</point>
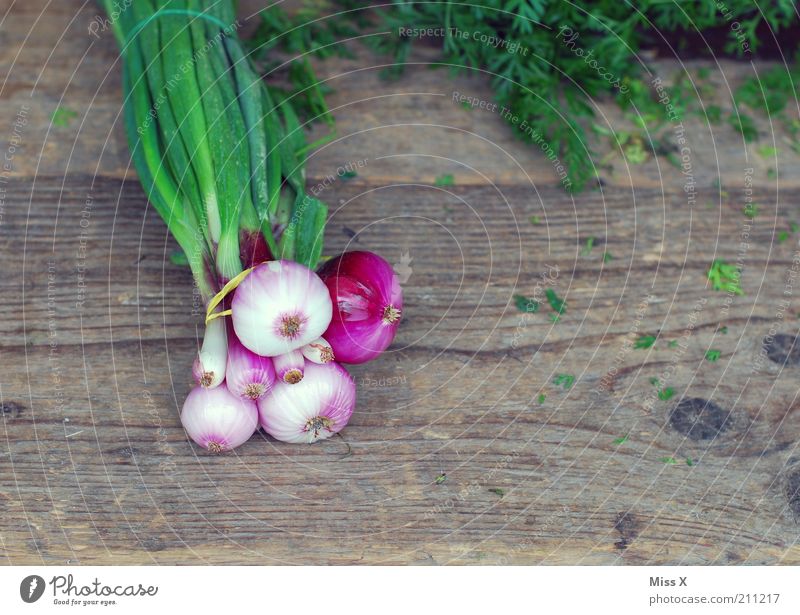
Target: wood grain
<point>94,465</point>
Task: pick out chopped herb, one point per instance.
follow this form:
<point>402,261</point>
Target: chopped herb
<point>588,246</point>
<point>794,227</point>
<point>670,460</point>
<point>441,478</point>
<point>655,382</point>
<point>666,393</point>
<point>525,304</point>
<point>63,116</point>
<point>497,491</point>
<point>542,397</point>
<point>558,304</point>
<point>444,180</point>
<point>783,236</point>
<point>644,342</point>
<point>178,258</point>
<point>672,343</point>
<point>689,462</point>
<point>554,318</point>
<point>772,173</point>
<point>751,210</point>
<point>767,151</point>
<point>565,381</point>
<point>713,355</point>
<point>535,220</point>
<point>723,329</point>
<point>607,257</point>
<point>349,175</point>
<point>620,440</point>
<point>724,276</point>
<point>703,73</point>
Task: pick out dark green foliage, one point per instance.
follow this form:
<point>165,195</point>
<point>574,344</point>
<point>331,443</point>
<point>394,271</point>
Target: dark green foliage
<point>551,59</point>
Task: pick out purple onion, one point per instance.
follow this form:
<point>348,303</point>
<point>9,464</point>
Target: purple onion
<point>367,305</point>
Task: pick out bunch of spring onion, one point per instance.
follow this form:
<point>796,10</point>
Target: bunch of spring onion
<point>222,159</point>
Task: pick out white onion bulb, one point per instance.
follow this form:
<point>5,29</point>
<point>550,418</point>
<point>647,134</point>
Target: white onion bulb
<point>279,307</point>
<point>313,409</point>
<point>217,420</point>
<point>208,368</point>
<point>318,351</point>
<point>289,367</point>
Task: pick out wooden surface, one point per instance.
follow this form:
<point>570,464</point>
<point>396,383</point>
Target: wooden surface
<point>94,465</point>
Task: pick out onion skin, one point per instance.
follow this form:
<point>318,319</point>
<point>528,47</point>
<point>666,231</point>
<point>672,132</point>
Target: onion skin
<point>247,374</point>
<point>290,367</point>
<point>315,408</point>
<point>217,420</point>
<point>367,305</point>
<point>279,307</point>
<point>209,366</point>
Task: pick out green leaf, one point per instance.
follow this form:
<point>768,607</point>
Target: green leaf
<point>497,491</point>
<point>524,304</point>
<point>669,460</point>
<point>751,210</point>
<point>306,228</point>
<point>62,116</point>
<point>444,180</point>
<point>542,397</point>
<point>644,341</point>
<point>607,257</point>
<point>440,479</point>
<point>620,440</point>
<point>725,277</point>
<point>588,246</point>
<point>178,258</point>
<point>558,304</point>
<point>666,393</point>
<point>713,355</point>
<point>565,381</point>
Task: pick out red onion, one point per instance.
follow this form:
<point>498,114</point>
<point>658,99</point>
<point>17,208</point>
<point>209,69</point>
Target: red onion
<point>217,420</point>
<point>279,307</point>
<point>290,367</point>
<point>313,409</point>
<point>247,374</point>
<point>368,304</point>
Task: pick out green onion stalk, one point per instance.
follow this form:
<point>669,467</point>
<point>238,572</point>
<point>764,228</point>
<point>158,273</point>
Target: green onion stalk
<point>220,156</point>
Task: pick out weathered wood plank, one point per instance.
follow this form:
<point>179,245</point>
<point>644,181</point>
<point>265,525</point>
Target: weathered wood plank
<point>95,468</point>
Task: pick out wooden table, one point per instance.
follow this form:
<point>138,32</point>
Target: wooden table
<point>462,449</point>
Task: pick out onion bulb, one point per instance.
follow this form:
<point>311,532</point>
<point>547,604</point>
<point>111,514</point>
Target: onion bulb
<point>279,307</point>
<point>313,409</point>
<point>319,351</point>
<point>368,305</point>
<point>290,367</point>
<point>217,420</point>
<point>208,368</point>
<point>247,374</point>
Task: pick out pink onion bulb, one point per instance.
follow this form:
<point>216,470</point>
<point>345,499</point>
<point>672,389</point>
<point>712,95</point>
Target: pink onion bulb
<point>290,367</point>
<point>318,351</point>
<point>279,307</point>
<point>247,374</point>
<point>208,368</point>
<point>217,420</point>
<point>368,305</point>
<point>313,409</point>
